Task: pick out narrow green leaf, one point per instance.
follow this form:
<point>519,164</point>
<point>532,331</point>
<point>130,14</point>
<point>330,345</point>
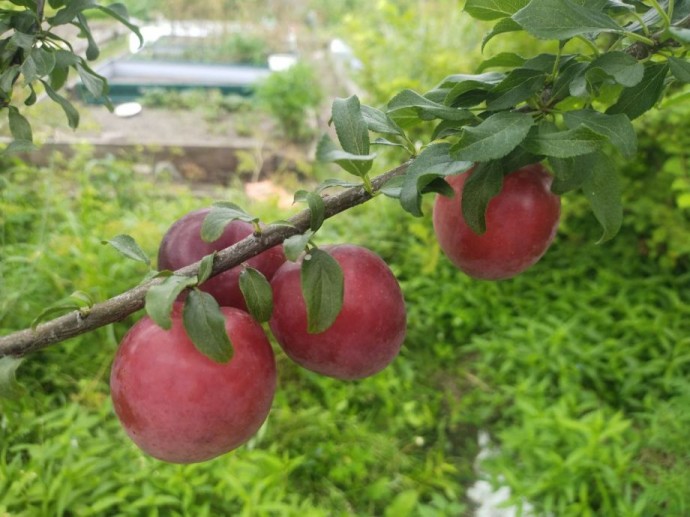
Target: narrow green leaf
<point>19,126</point>
<point>206,268</point>
<point>70,111</point>
<point>636,100</point>
<point>221,215</point>
<point>502,60</point>
<point>323,289</point>
<point>571,173</point>
<point>622,67</point>
<point>296,245</point>
<point>205,326</point>
<point>334,182</point>
<point>603,191</point>
<point>8,78</point>
<point>350,126</point>
<point>257,294</point>
<point>119,12</point>
<point>317,210</point>
<point>126,245</point>
<point>520,85</point>
<point>485,182</point>
<point>379,122</point>
<point>680,69</point>
<point>563,19</point>
<point>70,11</point>
<point>493,9</point>
<point>680,34</point>
<point>77,301</point>
<point>96,84</point>
<point>92,50</point>
<point>434,162</point>
<point>32,98</point>
<point>494,138</point>
<point>564,144</point>
<point>409,107</point>
<point>502,27</point>
<point>9,388</point>
<point>469,90</point>
<point>617,128</point>
<point>161,297</point>
<point>358,165</point>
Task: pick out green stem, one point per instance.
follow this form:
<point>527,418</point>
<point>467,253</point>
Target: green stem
<point>662,13</point>
<point>591,45</point>
<point>367,185</point>
<point>671,7</point>
<point>636,37</point>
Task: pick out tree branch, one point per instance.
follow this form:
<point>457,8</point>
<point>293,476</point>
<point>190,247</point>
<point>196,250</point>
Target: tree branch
<point>115,309</point>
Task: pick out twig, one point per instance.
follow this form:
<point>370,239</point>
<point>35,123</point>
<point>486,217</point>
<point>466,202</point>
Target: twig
<point>115,309</point>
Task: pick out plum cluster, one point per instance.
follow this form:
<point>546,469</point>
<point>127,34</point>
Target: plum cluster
<point>180,406</point>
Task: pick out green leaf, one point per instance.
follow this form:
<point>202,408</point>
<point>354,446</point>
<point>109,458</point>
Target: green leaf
<point>485,182</point>
<point>358,165</point>
<point>317,208</point>
<point>680,69</point>
<point>622,67</point>
<point>9,388</point>
<point>323,289</point>
<point>32,98</point>
<point>636,100</point>
<point>571,173</point>
<point>294,246</point>
<point>77,301</point>
<point>379,122</point>
<point>205,326</point>
<point>680,34</point>
<point>126,245</point>
<point>493,9</point>
<point>70,11</point>
<point>603,191</point>
<point>563,19</point>
<point>564,144</point>
<point>8,78</point>
<point>221,215</point>
<point>520,85</point>
<point>502,27</point>
<point>19,126</point>
<point>205,268</point>
<point>257,294</point>
<point>617,128</point>
<point>494,138</point>
<point>469,90</point>
<point>161,297</point>
<point>92,50</point>
<point>334,182</point>
<point>502,60</point>
<point>96,84</point>
<point>19,146</point>
<point>434,162</point>
<point>119,12</point>
<point>408,107</point>
<point>350,126</point>
<point>70,111</point>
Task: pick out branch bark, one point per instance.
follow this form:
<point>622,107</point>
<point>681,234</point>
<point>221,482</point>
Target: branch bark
<point>115,309</point>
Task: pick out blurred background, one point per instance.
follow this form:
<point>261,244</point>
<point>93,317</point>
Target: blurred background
<point>574,375</point>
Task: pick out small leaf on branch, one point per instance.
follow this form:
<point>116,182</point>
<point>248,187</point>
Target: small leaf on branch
<point>334,182</point>
<point>617,128</point>
<point>680,34</point>
<point>160,298</point>
<point>502,27</point>
<point>19,126</point>
<point>636,100</point>
<point>485,182</point>
<point>119,12</point>
<point>9,388</point>
<point>680,69</point>
<point>603,191</point>
<point>408,108</point>
<point>70,111</point>
<point>358,165</point>
<point>221,215</point>
<point>205,326</point>
<point>563,19</point>
<point>205,268</point>
<point>494,138</point>
<point>520,85</point>
<point>564,144</point>
<point>469,90</point>
<point>77,301</point>
<point>488,10</point>
<point>379,122</point>
<point>317,209</point>
<point>432,163</point>
<point>323,289</point>
<point>502,60</point>
<point>350,126</point>
<point>571,173</point>
<point>294,246</point>
<point>128,247</point>
<point>257,294</point>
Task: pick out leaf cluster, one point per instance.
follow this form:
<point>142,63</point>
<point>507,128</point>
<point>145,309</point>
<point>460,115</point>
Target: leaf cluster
<point>34,57</point>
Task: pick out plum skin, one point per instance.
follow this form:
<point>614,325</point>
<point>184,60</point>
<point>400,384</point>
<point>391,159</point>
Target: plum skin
<point>182,245</point>
<point>521,223</point>
<point>367,334</point>
<point>178,405</point>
